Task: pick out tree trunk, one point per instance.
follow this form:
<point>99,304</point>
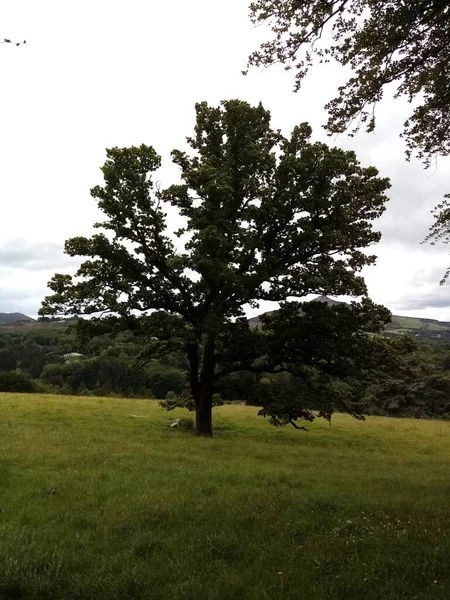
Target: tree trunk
<point>204,402</point>
<point>203,415</point>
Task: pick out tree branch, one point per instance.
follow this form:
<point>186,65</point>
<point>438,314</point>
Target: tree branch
<point>294,424</point>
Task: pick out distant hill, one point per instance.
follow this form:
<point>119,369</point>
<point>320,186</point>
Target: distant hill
<point>9,318</point>
<point>255,321</point>
<point>426,329</point>
<point>327,300</point>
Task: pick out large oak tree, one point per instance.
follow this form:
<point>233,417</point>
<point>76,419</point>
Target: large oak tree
<point>261,217</point>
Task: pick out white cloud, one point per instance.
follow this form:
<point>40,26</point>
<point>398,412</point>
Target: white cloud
<point>39,256</point>
<point>111,73</point>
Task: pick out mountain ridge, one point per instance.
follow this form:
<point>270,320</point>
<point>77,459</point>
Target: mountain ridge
<point>15,317</point>
<point>427,329</point>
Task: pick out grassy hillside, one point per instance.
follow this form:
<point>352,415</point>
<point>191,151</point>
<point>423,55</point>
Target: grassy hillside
<point>98,499</point>
<point>413,323</point>
<point>426,328</point>
<point>9,318</point>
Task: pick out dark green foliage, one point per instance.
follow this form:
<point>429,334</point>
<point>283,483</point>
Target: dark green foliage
<point>163,379</point>
<point>108,375</point>
<point>420,388</point>
<point>236,386</point>
<point>108,366</point>
<point>286,399</point>
<point>185,400</point>
<point>383,42</point>
<point>32,358</point>
<point>266,217</point>
<point>405,43</point>
<point>282,400</point>
<point>334,352</point>
<point>16,381</point>
<point>8,360</point>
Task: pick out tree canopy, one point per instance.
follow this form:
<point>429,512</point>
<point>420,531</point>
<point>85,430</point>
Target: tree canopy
<point>51,358</point>
<point>393,42</point>
<point>383,42</point>
<point>261,217</point>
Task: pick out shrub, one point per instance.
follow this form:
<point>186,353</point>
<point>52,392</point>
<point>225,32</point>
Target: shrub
<point>85,392</point>
<point>16,381</point>
<point>185,400</point>
<point>162,379</point>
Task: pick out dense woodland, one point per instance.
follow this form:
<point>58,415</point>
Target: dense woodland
<point>36,359</point>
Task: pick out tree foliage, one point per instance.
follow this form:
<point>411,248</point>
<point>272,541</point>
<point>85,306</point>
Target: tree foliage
<point>15,381</point>
<point>416,384</point>
<point>383,42</point>
<point>392,42</point>
<point>335,353</point>
<point>263,217</point>
<point>440,230</point>
<point>420,387</point>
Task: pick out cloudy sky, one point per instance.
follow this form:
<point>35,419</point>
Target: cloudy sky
<point>102,73</point>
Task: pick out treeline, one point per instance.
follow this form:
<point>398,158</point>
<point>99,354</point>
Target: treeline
<point>53,360</point>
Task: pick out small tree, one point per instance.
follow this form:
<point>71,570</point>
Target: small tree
<point>265,218</point>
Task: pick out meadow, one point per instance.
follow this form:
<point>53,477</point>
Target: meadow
<point>100,500</point>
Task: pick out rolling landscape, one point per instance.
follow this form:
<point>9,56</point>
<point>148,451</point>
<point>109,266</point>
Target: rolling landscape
<point>168,170</point>
<point>14,318</point>
<point>428,329</point>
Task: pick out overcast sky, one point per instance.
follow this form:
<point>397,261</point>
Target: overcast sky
<point>102,73</point>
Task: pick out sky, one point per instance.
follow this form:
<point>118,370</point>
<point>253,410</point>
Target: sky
<point>104,73</point>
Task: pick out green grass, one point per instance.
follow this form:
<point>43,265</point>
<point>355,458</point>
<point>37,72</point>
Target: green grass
<point>412,323</point>
<point>99,500</point>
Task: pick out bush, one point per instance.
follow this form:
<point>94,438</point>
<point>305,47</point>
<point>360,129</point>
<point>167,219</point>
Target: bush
<point>162,379</point>
<point>85,392</point>
<point>16,381</point>
<point>173,400</point>
<point>236,386</point>
<point>185,400</point>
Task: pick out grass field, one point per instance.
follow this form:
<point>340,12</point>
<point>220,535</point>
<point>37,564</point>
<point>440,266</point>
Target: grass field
<point>413,324</point>
<point>99,500</point>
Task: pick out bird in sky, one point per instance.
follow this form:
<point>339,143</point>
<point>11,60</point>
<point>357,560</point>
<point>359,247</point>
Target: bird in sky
<point>6,41</point>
